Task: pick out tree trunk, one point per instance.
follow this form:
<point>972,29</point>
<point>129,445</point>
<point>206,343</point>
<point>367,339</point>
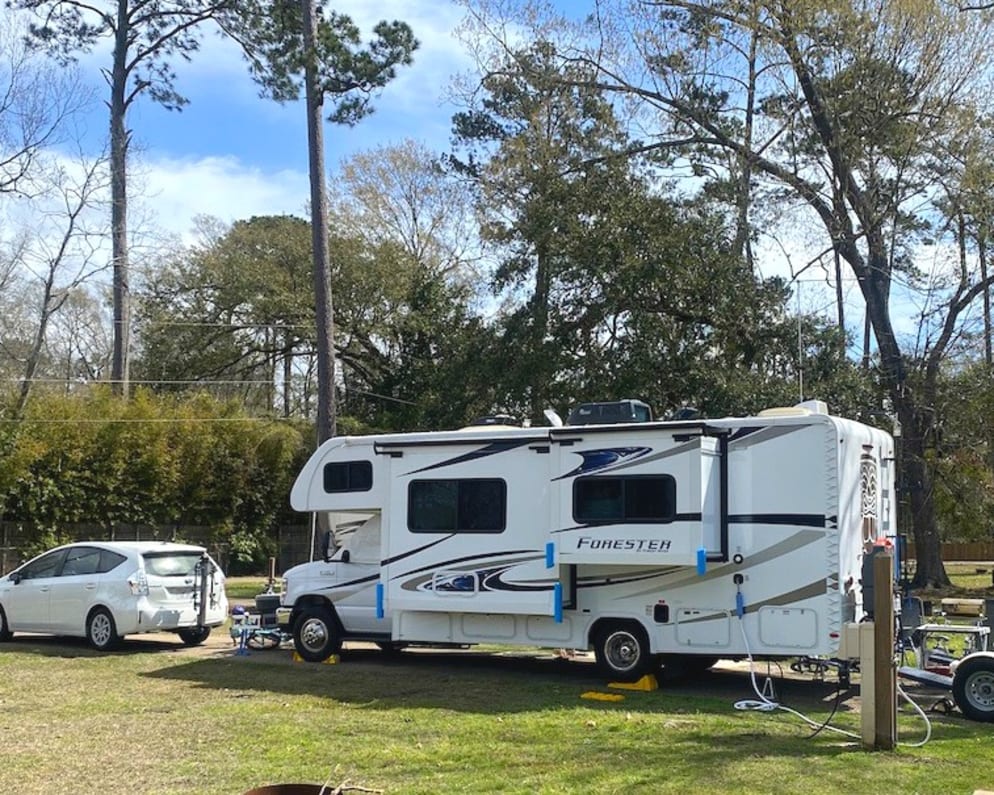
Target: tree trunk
<point>743,198</point>
<point>982,255</point>
<point>119,206</point>
<point>319,234</point>
<point>539,329</point>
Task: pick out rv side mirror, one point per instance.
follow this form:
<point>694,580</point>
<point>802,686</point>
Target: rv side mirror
<point>327,545</point>
<point>346,557</point>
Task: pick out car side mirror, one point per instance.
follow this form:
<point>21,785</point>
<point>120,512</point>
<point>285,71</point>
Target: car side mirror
<point>15,577</point>
<point>346,557</point>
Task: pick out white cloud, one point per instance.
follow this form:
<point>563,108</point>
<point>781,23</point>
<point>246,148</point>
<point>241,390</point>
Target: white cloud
<point>174,191</point>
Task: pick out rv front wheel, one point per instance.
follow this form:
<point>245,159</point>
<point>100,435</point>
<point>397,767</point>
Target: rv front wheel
<point>973,688</point>
<point>315,635</point>
<point>622,651</point>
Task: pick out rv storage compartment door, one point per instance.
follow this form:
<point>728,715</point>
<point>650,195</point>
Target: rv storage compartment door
<point>658,502</point>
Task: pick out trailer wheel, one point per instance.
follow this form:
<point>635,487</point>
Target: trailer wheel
<point>973,688</point>
<point>315,635</point>
<point>622,651</point>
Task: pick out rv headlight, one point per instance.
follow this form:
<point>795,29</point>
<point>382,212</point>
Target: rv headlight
<point>284,586</point>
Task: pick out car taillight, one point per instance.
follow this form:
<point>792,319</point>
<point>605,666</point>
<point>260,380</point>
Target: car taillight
<point>138,584</point>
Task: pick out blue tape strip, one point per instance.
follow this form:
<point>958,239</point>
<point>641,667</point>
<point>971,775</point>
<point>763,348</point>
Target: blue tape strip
<point>702,561</point>
<point>557,599</point>
<point>380,613</point>
<point>550,555</point>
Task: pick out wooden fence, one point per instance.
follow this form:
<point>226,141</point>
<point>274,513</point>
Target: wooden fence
<point>968,551</point>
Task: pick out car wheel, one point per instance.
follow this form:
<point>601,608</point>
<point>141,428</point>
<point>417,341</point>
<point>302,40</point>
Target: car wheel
<point>973,688</point>
<point>622,651</point>
<point>315,635</point>
<point>101,631</point>
<point>5,633</point>
<point>194,636</point>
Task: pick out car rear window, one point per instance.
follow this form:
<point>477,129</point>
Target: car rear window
<point>171,564</point>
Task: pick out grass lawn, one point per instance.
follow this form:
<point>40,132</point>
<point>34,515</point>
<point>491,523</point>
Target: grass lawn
<point>158,718</point>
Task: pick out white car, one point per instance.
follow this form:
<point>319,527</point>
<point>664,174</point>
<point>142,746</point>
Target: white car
<point>104,590</point>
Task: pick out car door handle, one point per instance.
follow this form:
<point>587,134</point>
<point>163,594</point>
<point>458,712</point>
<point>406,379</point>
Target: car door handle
<point>90,586</point>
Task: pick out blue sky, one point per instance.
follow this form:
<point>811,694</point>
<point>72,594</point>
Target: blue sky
<point>232,154</point>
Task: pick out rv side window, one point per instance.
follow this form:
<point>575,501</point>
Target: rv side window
<point>639,498</point>
<point>348,476</point>
<point>457,506</point>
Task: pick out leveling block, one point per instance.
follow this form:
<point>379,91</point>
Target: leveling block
<point>645,684</point>
<point>593,695</point>
<point>332,660</point>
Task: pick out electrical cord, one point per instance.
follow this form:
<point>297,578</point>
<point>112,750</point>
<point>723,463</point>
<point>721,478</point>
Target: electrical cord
<point>765,702</point>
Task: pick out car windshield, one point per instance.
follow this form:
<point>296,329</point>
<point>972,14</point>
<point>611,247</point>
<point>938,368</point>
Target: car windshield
<point>171,564</point>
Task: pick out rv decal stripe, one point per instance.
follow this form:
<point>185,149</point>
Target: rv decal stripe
<point>532,555</point>
<point>810,591</point>
<point>799,540</point>
<point>352,583</point>
<point>414,551</point>
<point>746,437</point>
<point>604,459</point>
<point>603,581</point>
<point>680,517</point>
<point>796,519</point>
<point>491,449</point>
<point>687,447</point>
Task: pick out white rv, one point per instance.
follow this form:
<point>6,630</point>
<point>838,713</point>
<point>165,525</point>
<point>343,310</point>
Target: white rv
<point>654,543</point>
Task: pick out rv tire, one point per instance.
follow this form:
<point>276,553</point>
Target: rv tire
<point>316,635</point>
<point>622,651</point>
<point>973,687</point>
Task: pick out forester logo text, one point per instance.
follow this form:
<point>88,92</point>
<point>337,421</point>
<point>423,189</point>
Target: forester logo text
<point>624,544</point>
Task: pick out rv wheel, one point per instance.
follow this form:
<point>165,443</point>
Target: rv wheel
<point>315,635</point>
<point>622,651</point>
<point>973,688</point>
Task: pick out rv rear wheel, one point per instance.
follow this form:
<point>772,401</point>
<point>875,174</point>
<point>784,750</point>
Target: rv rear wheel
<point>622,651</point>
<point>973,688</point>
<point>315,635</point>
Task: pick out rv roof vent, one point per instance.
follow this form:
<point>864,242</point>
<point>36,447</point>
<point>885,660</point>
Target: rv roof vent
<point>612,413</point>
<point>804,409</point>
<point>503,420</point>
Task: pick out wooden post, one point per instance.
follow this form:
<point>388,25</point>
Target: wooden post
<point>884,671</point>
